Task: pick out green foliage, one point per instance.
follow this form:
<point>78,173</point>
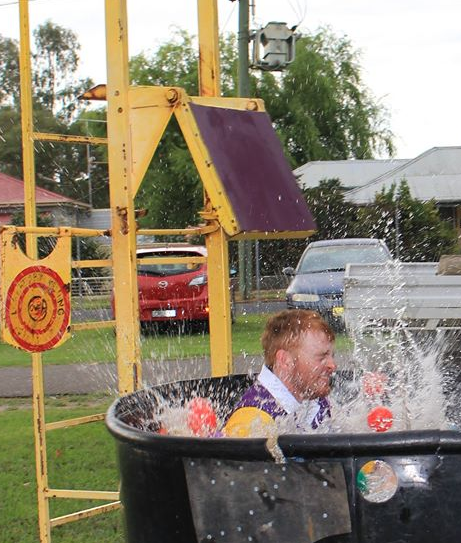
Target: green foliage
<point>9,71</point>
<point>55,91</point>
<point>55,63</point>
<point>47,155</point>
<point>320,106</point>
<point>335,218</point>
<point>86,165</point>
<point>44,244</point>
<point>413,229</point>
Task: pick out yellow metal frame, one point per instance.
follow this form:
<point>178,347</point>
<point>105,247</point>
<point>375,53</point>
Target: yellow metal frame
<point>136,120</point>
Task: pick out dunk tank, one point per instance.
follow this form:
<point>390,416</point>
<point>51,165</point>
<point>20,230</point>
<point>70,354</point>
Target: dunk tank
<point>183,482</point>
<point>387,477</point>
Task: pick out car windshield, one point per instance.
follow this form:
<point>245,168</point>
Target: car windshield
<point>171,268</point>
<point>335,258</point>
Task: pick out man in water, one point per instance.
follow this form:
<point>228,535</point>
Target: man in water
<point>294,380</point>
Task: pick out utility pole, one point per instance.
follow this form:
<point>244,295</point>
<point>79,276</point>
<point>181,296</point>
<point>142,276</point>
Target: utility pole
<point>244,247</point>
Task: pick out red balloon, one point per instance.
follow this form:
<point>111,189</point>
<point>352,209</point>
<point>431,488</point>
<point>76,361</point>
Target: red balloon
<point>380,419</point>
<point>201,417</point>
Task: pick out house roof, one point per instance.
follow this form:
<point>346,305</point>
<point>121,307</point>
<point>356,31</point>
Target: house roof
<point>435,174</point>
<point>351,173</point>
<point>12,194</point>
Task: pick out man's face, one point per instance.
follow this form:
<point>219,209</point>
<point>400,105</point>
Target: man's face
<point>312,366</point>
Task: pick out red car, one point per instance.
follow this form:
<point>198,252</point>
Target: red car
<point>175,292</point>
<point>172,292</point>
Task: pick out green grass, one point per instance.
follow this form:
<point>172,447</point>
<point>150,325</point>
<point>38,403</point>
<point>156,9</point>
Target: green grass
<point>78,458</point>
<point>99,345</point>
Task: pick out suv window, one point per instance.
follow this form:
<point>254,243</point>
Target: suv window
<point>167,269</point>
<point>335,258</point>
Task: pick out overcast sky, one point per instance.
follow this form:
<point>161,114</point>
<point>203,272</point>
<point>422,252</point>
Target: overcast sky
<point>410,49</point>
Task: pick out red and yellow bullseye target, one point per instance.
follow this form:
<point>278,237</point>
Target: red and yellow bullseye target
<point>37,308</point>
<point>35,295</point>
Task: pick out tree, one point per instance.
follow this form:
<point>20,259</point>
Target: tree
<point>320,106</point>
<point>47,160</point>
<point>55,92</point>
<point>413,229</point>
<point>9,71</point>
<point>335,218</point>
<point>55,64</point>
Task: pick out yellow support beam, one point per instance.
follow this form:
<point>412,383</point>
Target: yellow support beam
<point>86,513</point>
<point>82,494</point>
<point>219,296</point>
<point>64,138</point>
<point>94,325</point>
<point>189,231</point>
<point>217,241</point>
<point>92,263</point>
<point>30,219</point>
<point>122,190</point>
<point>208,30</point>
<point>150,111</point>
<point>74,422</point>
<point>55,231</point>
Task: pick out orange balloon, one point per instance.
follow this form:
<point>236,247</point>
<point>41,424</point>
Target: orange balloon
<point>201,417</point>
<point>380,419</point>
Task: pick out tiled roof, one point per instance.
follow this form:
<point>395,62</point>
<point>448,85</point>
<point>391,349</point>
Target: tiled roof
<point>12,193</point>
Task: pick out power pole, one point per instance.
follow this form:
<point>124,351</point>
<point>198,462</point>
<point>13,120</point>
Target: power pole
<point>244,247</point>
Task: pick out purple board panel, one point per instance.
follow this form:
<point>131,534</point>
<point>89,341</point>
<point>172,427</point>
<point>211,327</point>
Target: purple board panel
<point>253,170</point>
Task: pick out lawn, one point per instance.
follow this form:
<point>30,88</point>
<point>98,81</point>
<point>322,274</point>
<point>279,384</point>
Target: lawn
<point>80,458</point>
<point>99,345</point>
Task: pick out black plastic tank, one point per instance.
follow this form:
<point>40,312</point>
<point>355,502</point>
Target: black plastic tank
<point>336,488</point>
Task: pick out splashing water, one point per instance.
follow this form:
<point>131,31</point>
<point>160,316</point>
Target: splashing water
<point>399,378</point>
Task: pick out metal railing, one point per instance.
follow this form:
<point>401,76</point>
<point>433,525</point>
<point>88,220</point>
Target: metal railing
<point>91,286</point>
<point>102,286</point>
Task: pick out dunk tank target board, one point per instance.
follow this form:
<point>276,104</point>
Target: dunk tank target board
<point>35,296</point>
